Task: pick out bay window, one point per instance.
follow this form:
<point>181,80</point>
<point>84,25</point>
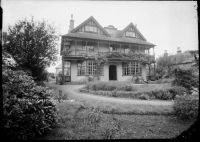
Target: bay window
<point>88,67</point>
<point>131,68</point>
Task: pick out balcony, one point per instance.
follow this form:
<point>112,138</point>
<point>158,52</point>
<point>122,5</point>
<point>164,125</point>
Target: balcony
<point>114,55</point>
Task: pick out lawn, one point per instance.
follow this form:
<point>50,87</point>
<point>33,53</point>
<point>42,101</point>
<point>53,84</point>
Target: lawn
<point>78,121</point>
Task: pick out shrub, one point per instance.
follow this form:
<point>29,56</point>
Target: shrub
<point>127,88</point>
<point>90,78</point>
<point>186,107</point>
<point>28,110</point>
<point>144,97</point>
<point>177,90</point>
<point>186,79</point>
<point>114,93</point>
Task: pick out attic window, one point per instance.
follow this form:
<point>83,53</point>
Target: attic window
<point>130,34</point>
<point>91,29</point>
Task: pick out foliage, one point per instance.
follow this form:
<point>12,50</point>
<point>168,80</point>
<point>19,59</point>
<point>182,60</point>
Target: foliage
<point>186,107</point>
<point>32,45</point>
<point>164,66</point>
<point>60,79</point>
<point>27,108</point>
<point>144,97</point>
<point>186,79</point>
<point>109,86</point>
<point>141,57</point>
<point>163,80</point>
<point>75,120</point>
<point>136,92</point>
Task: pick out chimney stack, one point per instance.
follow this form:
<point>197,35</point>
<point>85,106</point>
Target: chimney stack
<point>165,54</point>
<point>178,50</point>
<point>71,25</point>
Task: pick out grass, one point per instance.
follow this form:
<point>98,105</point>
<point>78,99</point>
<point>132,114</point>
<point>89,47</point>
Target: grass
<point>125,86</point>
<point>77,121</point>
<point>164,91</point>
<point>101,120</point>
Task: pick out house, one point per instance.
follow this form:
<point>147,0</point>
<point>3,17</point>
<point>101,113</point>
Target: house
<point>104,53</point>
<point>184,60</point>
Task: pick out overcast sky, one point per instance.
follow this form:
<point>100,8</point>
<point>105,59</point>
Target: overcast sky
<point>168,25</point>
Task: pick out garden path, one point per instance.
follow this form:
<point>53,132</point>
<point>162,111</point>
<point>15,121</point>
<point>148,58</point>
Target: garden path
<point>73,93</point>
<point>120,105</point>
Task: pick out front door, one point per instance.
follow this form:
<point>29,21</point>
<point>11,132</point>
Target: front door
<point>112,72</point>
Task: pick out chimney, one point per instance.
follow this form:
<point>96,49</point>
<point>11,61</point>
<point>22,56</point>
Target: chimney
<point>71,25</point>
<point>165,54</point>
<point>178,50</point>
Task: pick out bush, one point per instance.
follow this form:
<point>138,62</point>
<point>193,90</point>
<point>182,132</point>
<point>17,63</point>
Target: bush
<point>186,107</point>
<point>144,97</point>
<point>177,90</point>
<point>28,111</point>
<point>186,79</point>
<point>128,91</point>
<point>126,88</point>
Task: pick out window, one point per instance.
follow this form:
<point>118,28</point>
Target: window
<point>90,48</point>
<point>126,50</point>
<point>91,29</point>
<point>113,49</point>
<point>81,68</point>
<point>88,67</point>
<point>67,71</point>
<point>131,68</point>
<point>130,34</point>
<point>125,69</point>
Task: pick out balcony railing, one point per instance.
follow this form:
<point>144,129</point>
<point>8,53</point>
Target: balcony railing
<point>114,54</point>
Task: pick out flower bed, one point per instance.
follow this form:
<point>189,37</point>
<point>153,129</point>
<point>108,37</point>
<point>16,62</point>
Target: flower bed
<point>126,90</point>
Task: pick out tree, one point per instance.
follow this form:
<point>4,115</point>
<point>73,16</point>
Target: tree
<point>163,66</point>
<point>32,44</point>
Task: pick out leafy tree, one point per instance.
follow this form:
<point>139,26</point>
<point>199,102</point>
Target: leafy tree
<point>164,66</point>
<point>32,44</point>
<point>186,79</point>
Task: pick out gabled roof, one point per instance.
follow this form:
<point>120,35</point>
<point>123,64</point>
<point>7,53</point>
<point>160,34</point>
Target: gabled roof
<point>86,21</point>
<point>104,38</point>
<point>135,29</point>
<point>113,36</point>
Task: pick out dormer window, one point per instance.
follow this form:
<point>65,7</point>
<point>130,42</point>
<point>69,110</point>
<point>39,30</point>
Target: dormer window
<point>130,34</point>
<point>91,29</point>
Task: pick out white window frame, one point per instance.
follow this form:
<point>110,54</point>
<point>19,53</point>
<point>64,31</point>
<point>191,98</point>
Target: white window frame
<point>131,68</point>
<point>130,34</point>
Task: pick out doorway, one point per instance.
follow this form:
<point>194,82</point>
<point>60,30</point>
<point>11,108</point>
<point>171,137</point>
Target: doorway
<point>112,72</point>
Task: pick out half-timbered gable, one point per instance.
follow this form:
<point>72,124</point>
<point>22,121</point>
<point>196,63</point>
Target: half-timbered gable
<point>132,32</point>
<point>90,26</point>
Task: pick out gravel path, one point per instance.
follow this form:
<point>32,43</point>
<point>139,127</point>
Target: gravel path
<point>73,93</point>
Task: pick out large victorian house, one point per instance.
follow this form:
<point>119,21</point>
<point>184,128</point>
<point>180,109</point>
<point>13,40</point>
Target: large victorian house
<point>90,51</point>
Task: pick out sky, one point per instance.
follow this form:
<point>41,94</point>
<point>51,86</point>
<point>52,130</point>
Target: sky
<point>167,24</point>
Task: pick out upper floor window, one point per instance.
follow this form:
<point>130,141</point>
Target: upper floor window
<point>113,49</point>
<point>126,50</point>
<point>91,29</point>
<point>90,48</point>
<point>130,34</point>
